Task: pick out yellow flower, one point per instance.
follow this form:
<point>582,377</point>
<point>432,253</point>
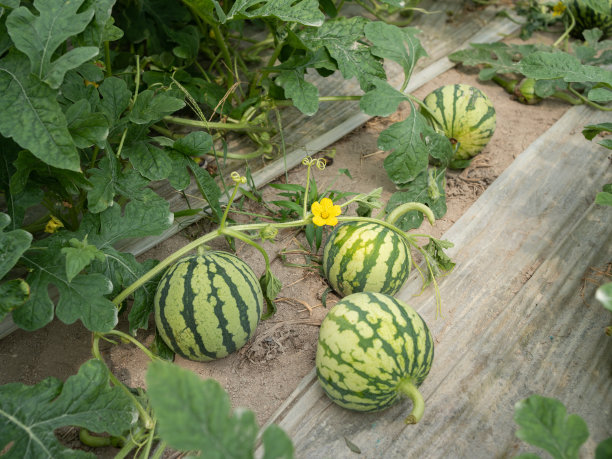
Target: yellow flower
<point>53,225</point>
<point>558,9</point>
<point>325,212</point>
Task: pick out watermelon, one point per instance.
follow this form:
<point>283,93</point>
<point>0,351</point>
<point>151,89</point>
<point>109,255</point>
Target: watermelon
<point>365,257</point>
<point>464,114</point>
<point>208,306</point>
<point>372,348</point>
<point>588,18</point>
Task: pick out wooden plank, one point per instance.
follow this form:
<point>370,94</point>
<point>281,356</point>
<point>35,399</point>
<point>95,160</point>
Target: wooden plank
<point>305,136</point>
<point>515,321</point>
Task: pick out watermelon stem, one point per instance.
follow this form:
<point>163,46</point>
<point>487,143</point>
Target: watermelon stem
<point>408,388</point>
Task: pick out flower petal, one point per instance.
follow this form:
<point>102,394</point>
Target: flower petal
<point>326,203</point>
<point>331,221</point>
<point>317,220</point>
<point>316,208</point>
<point>334,211</point>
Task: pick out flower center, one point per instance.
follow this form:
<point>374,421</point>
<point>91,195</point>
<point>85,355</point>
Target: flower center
<point>324,214</point>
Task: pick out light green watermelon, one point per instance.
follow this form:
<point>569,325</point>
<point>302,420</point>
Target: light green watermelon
<point>371,349</point>
<point>464,114</point>
<point>365,257</point>
<point>208,306</point>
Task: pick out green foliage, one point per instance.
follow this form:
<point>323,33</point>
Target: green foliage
<point>195,416</point>
<point>575,76</point>
<point>544,422</point>
<point>30,414</point>
<point>91,94</point>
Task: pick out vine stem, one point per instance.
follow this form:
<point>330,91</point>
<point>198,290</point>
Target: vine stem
<point>407,387</point>
<point>587,100</point>
<point>146,418</point>
<point>247,240</point>
<point>194,245</point>
<point>238,126</point>
<point>567,30</point>
<point>407,207</point>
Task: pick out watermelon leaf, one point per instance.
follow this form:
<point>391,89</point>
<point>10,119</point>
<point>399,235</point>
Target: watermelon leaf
<point>604,449</point>
<point>340,37</point>
<point>398,44</point>
<point>12,244</point>
<point>79,256</point>
<point>550,65</point>
<point>39,36</point>
<point>427,188</point>
<point>197,143</point>
<point>271,287</point>
<point>304,12</point>
<point>407,141</point>
<point>30,414</point>
<point>81,298</point>
<point>31,115</point>
<point>115,98</point>
<point>544,422</point>
<point>305,95</point>
<point>13,294</point>
<point>383,100</point>
<point>196,416</point>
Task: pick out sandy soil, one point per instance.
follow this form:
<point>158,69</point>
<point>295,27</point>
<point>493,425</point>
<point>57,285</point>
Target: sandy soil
<point>265,372</point>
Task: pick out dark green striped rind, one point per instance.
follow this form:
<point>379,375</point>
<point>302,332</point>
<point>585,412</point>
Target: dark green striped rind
<point>466,116</point>
<point>587,18</point>
<point>368,344</point>
<point>365,257</point>
<point>208,306</point>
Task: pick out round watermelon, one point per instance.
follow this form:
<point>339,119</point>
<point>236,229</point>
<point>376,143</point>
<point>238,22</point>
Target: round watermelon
<point>588,18</point>
<point>365,257</point>
<point>208,306</point>
<point>372,348</point>
<point>464,114</point>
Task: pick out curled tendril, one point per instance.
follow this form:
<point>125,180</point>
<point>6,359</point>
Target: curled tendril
<point>237,178</point>
<point>320,163</point>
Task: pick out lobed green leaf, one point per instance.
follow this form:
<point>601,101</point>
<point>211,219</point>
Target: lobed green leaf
<point>543,422</point>
<point>12,245</point>
<point>40,36</point>
<point>30,414</point>
<point>304,12</point>
<point>31,115</point>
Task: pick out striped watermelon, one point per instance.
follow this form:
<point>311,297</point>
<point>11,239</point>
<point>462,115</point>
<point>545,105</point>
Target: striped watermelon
<point>208,306</point>
<point>365,257</point>
<point>465,115</point>
<point>587,18</point>
<point>372,348</point>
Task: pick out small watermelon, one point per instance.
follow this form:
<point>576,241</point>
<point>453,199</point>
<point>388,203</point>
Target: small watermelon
<point>372,348</point>
<point>208,306</point>
<point>464,114</point>
<point>587,18</point>
<point>365,257</point>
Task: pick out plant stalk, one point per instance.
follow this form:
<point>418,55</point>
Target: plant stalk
<point>408,388</point>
